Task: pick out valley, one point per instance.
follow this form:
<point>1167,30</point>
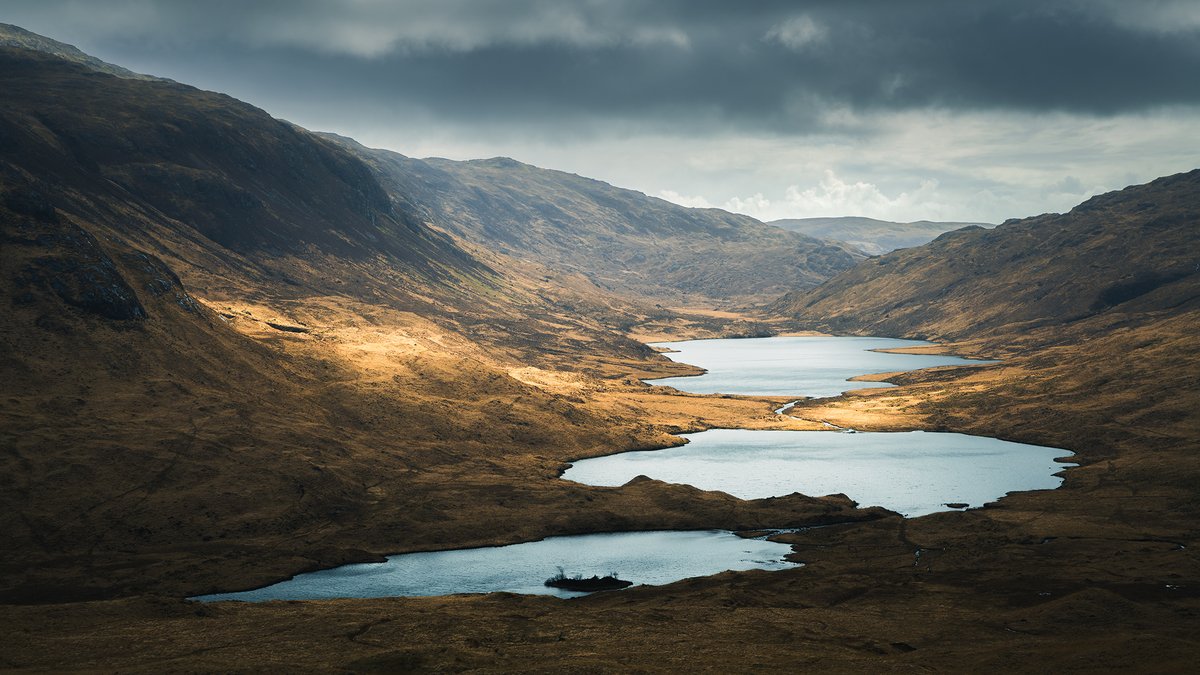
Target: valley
<point>235,351</point>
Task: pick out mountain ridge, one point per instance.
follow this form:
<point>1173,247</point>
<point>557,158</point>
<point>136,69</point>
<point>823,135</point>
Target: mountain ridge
<point>15,36</point>
<point>622,240</point>
<point>1130,251</point>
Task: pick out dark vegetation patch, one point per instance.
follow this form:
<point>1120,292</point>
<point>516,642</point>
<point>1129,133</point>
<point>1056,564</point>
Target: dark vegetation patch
<point>1139,284</point>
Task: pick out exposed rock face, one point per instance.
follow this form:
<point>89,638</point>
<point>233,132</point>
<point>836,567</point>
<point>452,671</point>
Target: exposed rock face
<point>61,259</point>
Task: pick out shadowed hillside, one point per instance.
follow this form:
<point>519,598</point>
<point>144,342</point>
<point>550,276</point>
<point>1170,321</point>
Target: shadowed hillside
<point>621,240</point>
<point>215,171</point>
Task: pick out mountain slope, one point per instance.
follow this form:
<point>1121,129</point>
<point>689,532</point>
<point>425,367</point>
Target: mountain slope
<point>621,240</point>
<point>871,236</point>
<point>180,269</point>
<point>1124,254</point>
<point>237,178</point>
<point>210,340</point>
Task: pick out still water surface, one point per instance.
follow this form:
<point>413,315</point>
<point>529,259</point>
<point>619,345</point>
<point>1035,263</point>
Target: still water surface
<point>912,473</point>
<point>651,558</point>
<point>794,366</point>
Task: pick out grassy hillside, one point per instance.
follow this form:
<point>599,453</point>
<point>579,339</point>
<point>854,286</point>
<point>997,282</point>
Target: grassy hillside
<point>1125,255</point>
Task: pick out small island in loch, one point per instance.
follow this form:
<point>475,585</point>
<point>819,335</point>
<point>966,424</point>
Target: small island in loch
<point>589,585</point>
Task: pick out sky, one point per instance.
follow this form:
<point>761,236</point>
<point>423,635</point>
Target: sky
<point>978,110</point>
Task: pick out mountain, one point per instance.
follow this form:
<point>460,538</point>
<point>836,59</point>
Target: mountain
<point>871,236</point>
<point>229,174</point>
<point>1125,254</point>
<point>621,240</point>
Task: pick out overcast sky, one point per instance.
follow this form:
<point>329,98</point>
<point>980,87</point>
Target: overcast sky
<point>974,110</point>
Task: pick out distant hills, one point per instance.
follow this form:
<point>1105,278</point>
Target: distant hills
<point>621,240</point>
<point>871,236</point>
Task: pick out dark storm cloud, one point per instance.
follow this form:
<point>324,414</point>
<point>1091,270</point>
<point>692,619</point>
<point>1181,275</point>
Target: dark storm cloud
<point>773,65</point>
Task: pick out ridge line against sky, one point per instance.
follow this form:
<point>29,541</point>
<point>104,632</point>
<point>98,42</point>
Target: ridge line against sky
<point>925,109</point>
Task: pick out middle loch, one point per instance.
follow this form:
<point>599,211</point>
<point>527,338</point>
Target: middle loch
<point>912,473</point>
